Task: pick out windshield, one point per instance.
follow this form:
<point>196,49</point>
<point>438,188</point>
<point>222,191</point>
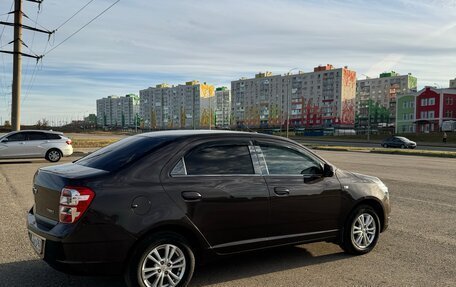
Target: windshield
<point>403,139</point>
<point>123,152</point>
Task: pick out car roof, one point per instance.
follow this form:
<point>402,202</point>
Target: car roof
<point>197,133</point>
<point>41,131</point>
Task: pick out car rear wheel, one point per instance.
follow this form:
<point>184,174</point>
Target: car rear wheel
<point>361,231</point>
<point>384,145</point>
<point>53,155</point>
<point>403,146</point>
<point>164,259</point>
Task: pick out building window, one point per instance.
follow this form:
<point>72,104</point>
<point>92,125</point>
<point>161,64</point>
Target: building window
<point>431,101</point>
<point>431,114</point>
<point>449,100</point>
<point>424,102</point>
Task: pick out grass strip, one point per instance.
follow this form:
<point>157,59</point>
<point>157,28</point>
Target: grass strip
<point>430,153</point>
<point>92,143</point>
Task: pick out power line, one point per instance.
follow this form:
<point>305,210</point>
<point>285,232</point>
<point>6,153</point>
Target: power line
<point>77,12</point>
<point>77,31</point>
<point>27,69</point>
<point>31,82</point>
<point>3,60</point>
<point>36,21</point>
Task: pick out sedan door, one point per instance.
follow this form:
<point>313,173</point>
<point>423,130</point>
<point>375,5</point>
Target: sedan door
<point>222,192</point>
<point>36,144</point>
<point>304,203</point>
<point>14,146</point>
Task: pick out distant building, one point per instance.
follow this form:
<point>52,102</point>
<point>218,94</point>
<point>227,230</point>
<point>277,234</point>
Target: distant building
<point>428,108</point>
<point>189,106</point>
<point>453,84</point>
<point>312,100</point>
<point>116,111</point>
<point>376,98</point>
<point>222,107</point>
<point>433,106</point>
<point>405,113</point>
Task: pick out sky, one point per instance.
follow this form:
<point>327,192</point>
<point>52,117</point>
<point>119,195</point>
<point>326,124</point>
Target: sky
<point>140,43</point>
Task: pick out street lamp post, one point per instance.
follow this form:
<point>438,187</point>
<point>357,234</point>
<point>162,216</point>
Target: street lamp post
<point>368,120</point>
<point>289,101</point>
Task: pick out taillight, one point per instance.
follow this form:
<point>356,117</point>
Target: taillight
<point>68,142</point>
<point>74,201</point>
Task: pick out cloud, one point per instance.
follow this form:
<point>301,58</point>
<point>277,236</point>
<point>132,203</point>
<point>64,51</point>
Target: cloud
<point>138,44</point>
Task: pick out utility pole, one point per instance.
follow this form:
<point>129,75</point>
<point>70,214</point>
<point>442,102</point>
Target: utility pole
<point>17,68</point>
<point>17,60</point>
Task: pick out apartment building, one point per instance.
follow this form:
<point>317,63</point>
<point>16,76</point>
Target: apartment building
<point>115,111</point>
<point>378,96</point>
<point>322,98</point>
<point>188,106</point>
<point>222,107</point>
<point>453,84</point>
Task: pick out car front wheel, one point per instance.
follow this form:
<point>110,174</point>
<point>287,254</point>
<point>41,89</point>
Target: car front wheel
<point>164,259</point>
<point>361,231</point>
<point>53,155</point>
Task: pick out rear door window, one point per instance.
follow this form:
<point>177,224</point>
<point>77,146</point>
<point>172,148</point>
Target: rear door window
<point>36,136</point>
<point>227,159</point>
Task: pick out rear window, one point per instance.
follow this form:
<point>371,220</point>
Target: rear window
<point>123,152</point>
<point>53,136</point>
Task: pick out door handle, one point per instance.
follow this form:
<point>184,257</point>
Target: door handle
<point>281,191</point>
<point>191,195</point>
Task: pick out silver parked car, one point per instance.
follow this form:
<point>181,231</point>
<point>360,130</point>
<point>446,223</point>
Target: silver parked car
<point>35,144</point>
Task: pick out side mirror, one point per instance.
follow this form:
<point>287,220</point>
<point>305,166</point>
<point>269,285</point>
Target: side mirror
<point>328,170</point>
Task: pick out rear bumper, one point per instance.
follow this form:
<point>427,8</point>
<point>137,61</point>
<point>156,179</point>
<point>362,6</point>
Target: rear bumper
<point>67,151</point>
<point>84,258</point>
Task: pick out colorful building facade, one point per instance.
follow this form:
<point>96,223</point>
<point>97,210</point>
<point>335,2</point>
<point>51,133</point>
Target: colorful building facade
<point>382,93</point>
<point>432,107</point>
<point>405,114</point>
<point>318,99</point>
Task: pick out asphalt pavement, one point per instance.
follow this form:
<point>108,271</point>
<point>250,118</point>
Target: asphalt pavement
<point>418,249</point>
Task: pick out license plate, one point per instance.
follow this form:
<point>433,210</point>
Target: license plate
<point>37,243</point>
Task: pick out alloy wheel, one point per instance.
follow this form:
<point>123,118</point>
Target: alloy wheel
<point>54,155</point>
<point>363,231</point>
<point>164,266</point>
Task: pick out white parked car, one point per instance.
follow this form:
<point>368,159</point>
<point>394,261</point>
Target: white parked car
<point>35,144</point>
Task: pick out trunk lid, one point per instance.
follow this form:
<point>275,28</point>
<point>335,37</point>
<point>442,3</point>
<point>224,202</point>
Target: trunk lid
<point>48,183</point>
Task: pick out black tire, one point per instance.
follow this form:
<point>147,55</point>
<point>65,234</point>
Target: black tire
<point>349,243</point>
<point>385,145</point>
<point>403,146</point>
<point>53,155</point>
<point>133,273</point>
